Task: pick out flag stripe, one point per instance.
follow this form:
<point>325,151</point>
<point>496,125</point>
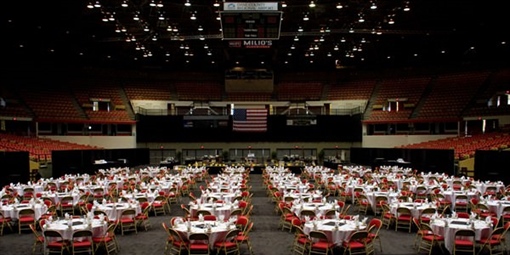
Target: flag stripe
<point>250,120</point>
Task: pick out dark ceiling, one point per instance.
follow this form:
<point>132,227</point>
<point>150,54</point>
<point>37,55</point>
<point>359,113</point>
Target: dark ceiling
<point>433,32</point>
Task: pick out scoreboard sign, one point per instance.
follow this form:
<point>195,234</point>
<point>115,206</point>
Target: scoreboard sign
<point>251,21</point>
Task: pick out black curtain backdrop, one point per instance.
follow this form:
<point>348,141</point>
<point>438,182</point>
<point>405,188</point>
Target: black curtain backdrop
<point>82,161</point>
<point>15,167</point>
<point>426,160</point>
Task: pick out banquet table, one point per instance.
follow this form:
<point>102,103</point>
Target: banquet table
<point>217,209</point>
<point>496,206</point>
<point>415,207</point>
<point>114,210</point>
<point>336,230</point>
<point>319,208</point>
<point>12,210</point>
<point>448,226</point>
<point>216,230</point>
<point>97,226</point>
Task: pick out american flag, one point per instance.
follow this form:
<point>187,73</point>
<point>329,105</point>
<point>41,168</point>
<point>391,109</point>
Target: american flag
<point>250,120</point>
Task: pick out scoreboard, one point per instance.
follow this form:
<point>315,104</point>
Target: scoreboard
<point>249,21</point>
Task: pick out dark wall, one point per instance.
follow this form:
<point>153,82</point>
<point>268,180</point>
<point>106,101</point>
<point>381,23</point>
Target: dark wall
<point>492,165</point>
<point>82,161</point>
<point>15,167</point>
<point>341,128</point>
<point>425,160</point>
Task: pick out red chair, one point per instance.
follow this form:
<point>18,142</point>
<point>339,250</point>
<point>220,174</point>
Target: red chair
<point>358,243</point>
<point>198,243</point>
<point>229,244</point>
<point>320,243</point>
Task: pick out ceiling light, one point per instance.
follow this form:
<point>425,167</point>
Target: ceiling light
<point>136,17</point>
<point>206,46</point>
<point>202,38</point>
<point>154,38</point>
<point>361,18</point>
<point>146,29</point>
<point>312,4</point>
<point>391,21</point>
<point>289,53</point>
<point>97,4</point>
<point>336,47</point>
<point>90,5</point>
<point>123,29</point>
<point>200,28</point>
<point>373,6</point>
<point>300,29</point>
<point>161,17</point>
<point>152,3</point>
<point>305,18</point>
<point>284,4</point>
<point>181,47</point>
<point>187,3</point>
<point>160,4</point>
<point>111,18</point>
<point>316,47</point>
<point>321,39</point>
<point>175,30</point>
<point>117,29</point>
<point>296,38</point>
<point>339,6</point>
<point>104,19</point>
<point>292,47</point>
<point>209,53</point>
<point>193,17</point>
<point>167,54</point>
<point>351,30</point>
<point>133,38</point>
<point>216,3</point>
<point>363,40</point>
<point>218,18</point>
<point>329,54</point>
<point>342,40</point>
<point>406,7</point>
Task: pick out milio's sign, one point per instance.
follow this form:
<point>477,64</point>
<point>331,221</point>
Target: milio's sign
<point>251,44</point>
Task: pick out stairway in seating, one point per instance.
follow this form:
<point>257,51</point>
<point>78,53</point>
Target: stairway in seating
<point>126,102</point>
<point>423,98</point>
<point>371,101</point>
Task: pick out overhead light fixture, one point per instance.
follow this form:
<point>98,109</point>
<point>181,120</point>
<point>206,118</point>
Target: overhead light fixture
<point>312,4</point>
<point>136,17</point>
<point>305,18</point>
<point>339,5</point>
<point>200,28</point>
<point>363,40</point>
<point>123,29</point>
<point>206,46</point>
<point>296,38</point>
<point>373,6</point>
<point>97,5</point>
<point>161,16</point>
<point>152,3</point>
<point>391,21</point>
<point>361,18</point>
<point>300,29</point>
<point>111,18</point>
<point>90,5</point>
<point>160,4</point>
<point>209,53</point>
<point>342,39</point>
<point>154,38</point>
<point>406,7</point>
<point>175,29</point>
<point>336,47</point>
<point>146,29</point>
<point>284,4</point>
<point>104,19</point>
<point>193,17</point>
<point>187,3</point>
<point>216,3</point>
<point>351,30</point>
<point>289,53</point>
<point>292,47</point>
<point>329,54</point>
